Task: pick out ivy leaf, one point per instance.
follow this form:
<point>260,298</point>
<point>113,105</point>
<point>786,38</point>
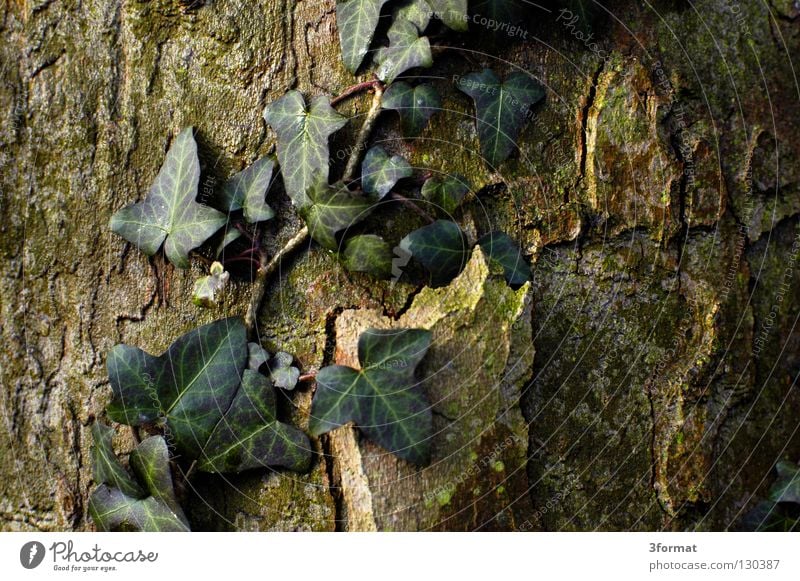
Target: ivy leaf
<point>135,378</point>
<point>368,253</point>
<point>787,487</point>
<point>170,212</point>
<point>231,233</point>
<point>415,105</point>
<point>249,435</point>
<point>190,384</point>
<point>357,20</point>
<point>332,209</point>
<point>418,12</point>
<point>383,398</point>
<point>406,50</point>
<point>441,247</point>
<point>502,108</point>
<point>501,249</point>
<point>247,190</point>
<point>111,510</point>
<point>303,134</point>
<point>380,172</point>
<point>106,469</point>
<point>452,12</point>
<point>281,371</point>
<point>446,192</point>
<point>150,463</point>
<point>768,516</point>
<point>199,386</point>
<point>208,288</point>
<point>779,513</point>
<point>256,356</point>
<point>154,509</point>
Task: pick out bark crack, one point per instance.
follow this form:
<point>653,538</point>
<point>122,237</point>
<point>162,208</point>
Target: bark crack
<point>587,137</point>
<point>47,63</point>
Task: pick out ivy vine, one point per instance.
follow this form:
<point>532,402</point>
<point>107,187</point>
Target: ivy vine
<point>209,401</point>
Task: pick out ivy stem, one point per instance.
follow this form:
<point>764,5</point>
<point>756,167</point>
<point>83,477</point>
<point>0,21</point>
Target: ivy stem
<point>366,129</point>
<point>350,91</point>
<point>245,232</point>
<point>263,273</point>
<point>250,259</point>
<point>190,471</point>
<point>410,204</point>
<point>268,268</point>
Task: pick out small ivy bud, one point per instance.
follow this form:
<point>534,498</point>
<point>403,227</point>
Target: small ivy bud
<point>207,289</point>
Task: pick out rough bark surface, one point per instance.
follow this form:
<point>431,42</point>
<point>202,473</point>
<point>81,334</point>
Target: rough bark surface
<point>474,373</point>
<point>656,193</point>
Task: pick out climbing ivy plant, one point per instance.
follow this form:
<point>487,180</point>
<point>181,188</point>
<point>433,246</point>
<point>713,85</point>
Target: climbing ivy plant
<point>208,403</point>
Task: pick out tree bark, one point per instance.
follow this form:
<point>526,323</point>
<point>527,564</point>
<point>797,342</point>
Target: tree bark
<point>645,379</point>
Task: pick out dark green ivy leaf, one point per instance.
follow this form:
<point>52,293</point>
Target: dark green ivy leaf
<point>332,209</point>
<point>192,385</point>
<point>415,105</point>
<point>106,469</point>
<point>170,212</point>
<point>787,487</point>
<point>380,172</point>
<point>501,249</point>
<point>502,108</point>
<point>406,50</point>
<point>780,512</point>
<point>418,12</point>
<point>135,378</point>
<point>771,517</point>
<point>452,12</point>
<point>154,507</point>
<point>383,398</point>
<point>111,511</point>
<point>303,134</point>
<point>441,247</point>
<point>247,190</point>
<point>445,192</point>
<point>368,253</point>
<point>150,463</point>
<point>356,20</point>
<point>249,435</point>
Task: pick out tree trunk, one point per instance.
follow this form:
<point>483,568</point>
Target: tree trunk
<point>645,379</point>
